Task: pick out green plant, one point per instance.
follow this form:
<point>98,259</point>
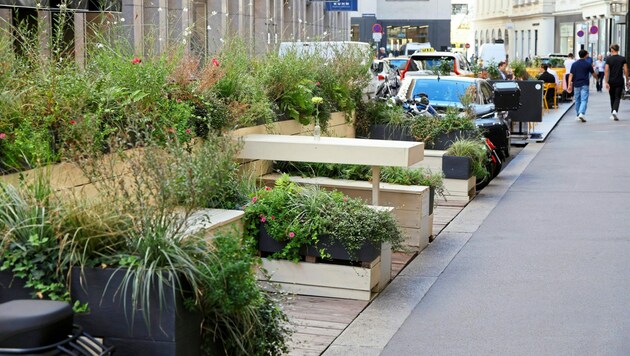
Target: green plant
<point>475,150</point>
<point>519,68</point>
<point>493,71</point>
<point>299,216</point>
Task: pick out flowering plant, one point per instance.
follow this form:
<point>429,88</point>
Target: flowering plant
<point>300,215</point>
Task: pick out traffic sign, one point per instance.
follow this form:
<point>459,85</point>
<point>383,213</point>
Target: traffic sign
<point>377,28</point>
<point>377,36</point>
<point>467,45</point>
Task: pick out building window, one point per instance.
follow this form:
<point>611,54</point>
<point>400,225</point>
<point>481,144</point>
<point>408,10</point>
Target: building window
<point>566,37</point>
<point>355,32</point>
<point>460,9</point>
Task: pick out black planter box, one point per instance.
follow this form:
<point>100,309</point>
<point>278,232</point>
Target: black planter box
<point>445,140</point>
<point>431,199</point>
<point>13,288</point>
<point>390,132</point>
<point>456,167</point>
<point>173,330</point>
<point>367,253</point>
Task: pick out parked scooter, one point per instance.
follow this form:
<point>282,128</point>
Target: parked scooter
<point>44,327</point>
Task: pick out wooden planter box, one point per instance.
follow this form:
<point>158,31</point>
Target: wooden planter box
<point>173,330</point>
<point>323,279</point>
<point>456,167</point>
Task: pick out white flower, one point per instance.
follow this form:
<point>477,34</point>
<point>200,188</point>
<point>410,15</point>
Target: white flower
<point>300,20</point>
<point>221,39</point>
<point>159,9</point>
<point>160,39</point>
<point>99,45</point>
<point>122,19</point>
<point>62,6</point>
<point>209,28</point>
<point>185,9</point>
<point>213,13</point>
<point>115,22</point>
<point>184,41</point>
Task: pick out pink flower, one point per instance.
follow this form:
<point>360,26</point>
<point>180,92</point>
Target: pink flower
<point>179,100</point>
<point>215,62</point>
<point>72,122</point>
<point>136,60</point>
<point>171,130</point>
<point>273,217</point>
<point>188,131</point>
<point>267,188</point>
<point>318,84</point>
<point>291,234</point>
<point>254,199</point>
<point>263,219</point>
<point>3,135</point>
<point>345,199</point>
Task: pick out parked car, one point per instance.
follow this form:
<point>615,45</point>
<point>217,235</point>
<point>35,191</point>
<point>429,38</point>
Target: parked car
<point>446,91</point>
<point>386,75</point>
<point>428,63</point>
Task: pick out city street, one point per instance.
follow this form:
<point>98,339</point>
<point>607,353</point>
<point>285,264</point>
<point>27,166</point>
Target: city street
<point>536,264</point>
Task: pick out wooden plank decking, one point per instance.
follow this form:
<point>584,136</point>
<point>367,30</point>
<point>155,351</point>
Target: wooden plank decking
<point>317,321</point>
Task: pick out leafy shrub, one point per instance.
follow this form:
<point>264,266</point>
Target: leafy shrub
<point>300,215</point>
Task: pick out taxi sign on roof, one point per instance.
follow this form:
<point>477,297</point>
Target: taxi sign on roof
<point>429,49</point>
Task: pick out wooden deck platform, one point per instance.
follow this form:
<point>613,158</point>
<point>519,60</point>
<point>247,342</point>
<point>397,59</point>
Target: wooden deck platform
<point>317,321</point>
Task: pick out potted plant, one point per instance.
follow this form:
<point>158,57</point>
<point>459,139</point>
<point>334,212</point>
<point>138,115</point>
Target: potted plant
<point>465,158</point>
<point>325,224</point>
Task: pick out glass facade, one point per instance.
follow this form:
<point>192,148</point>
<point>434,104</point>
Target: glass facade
<point>399,35</point>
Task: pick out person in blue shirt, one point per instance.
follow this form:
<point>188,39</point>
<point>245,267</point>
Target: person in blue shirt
<point>579,82</point>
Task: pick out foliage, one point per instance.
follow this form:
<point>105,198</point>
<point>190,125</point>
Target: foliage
<point>427,128</point>
<point>475,150</point>
<point>556,62</point>
<point>50,108</point>
<point>378,113</point>
<point>394,175</point>
<point>299,215</point>
<point>519,68</point>
<point>493,71</point>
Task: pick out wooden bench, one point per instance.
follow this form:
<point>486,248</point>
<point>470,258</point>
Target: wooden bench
<point>375,153</point>
<point>410,202</point>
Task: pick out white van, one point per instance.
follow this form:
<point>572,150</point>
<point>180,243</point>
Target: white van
<point>492,53</point>
<point>411,47</point>
<point>325,49</point>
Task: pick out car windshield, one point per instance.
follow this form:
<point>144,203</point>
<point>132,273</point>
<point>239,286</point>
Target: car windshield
<point>431,63</point>
<point>441,92</point>
<point>398,63</point>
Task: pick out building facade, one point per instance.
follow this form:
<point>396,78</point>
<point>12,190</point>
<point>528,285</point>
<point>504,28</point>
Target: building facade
<point>536,28</point>
<point>402,21</point>
<point>202,25</point>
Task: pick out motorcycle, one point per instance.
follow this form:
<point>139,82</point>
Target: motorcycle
<point>44,327</point>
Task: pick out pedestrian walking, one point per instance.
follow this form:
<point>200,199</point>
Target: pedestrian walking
<point>614,70</point>
<point>579,82</point>
<point>599,69</point>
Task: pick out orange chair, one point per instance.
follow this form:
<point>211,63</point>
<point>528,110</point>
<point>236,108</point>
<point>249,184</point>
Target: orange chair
<point>546,88</point>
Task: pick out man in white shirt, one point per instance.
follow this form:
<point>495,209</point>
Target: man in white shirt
<point>555,75</point>
<point>567,70</point>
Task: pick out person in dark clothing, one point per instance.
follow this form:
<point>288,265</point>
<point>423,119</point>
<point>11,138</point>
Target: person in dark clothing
<point>614,70</point>
<point>547,77</point>
<point>579,79</point>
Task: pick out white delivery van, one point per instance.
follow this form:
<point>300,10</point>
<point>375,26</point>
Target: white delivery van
<point>325,49</point>
<point>411,47</point>
<point>492,53</point>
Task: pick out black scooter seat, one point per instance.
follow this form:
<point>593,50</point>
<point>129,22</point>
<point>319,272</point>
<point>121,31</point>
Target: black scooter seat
<point>34,323</point>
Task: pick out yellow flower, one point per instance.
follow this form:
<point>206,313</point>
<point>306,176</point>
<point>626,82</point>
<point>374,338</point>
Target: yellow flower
<point>317,100</point>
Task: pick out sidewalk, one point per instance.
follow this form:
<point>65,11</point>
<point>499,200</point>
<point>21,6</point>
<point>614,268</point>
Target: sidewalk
<point>536,264</point>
